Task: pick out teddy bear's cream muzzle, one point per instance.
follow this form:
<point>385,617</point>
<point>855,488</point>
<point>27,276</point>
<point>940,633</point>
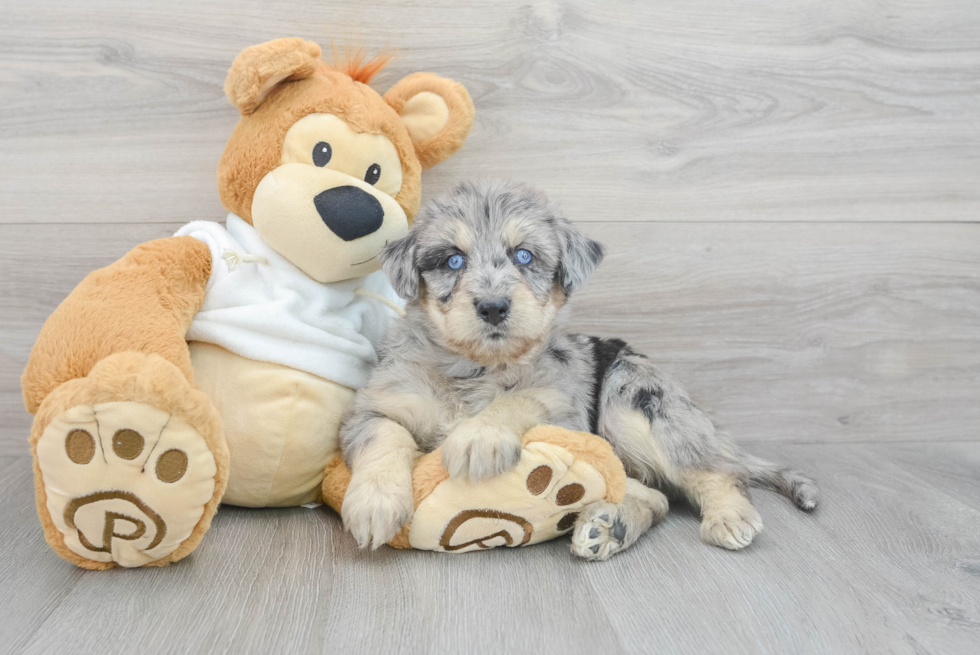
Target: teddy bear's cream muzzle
<point>329,224</point>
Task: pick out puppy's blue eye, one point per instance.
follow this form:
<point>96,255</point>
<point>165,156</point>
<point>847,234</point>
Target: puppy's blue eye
<point>523,256</point>
<point>456,262</point>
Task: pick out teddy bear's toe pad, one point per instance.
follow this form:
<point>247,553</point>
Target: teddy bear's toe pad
<point>124,482</point>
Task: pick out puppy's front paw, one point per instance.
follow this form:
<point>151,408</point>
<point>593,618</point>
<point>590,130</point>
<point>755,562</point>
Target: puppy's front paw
<point>477,450</point>
<point>377,507</point>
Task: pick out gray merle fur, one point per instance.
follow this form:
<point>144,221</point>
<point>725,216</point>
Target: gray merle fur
<point>604,381</point>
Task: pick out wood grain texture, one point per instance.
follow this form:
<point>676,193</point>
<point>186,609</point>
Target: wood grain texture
<point>789,332</point>
<point>788,193</point>
<point>804,110</point>
<point>889,563</point>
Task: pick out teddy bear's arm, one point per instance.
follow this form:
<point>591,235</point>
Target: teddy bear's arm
<point>144,302</point>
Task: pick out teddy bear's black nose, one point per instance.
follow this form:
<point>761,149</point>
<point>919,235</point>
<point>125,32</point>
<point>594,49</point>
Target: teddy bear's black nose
<point>349,212</point>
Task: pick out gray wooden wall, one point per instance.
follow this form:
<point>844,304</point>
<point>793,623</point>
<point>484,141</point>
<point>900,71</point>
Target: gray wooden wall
<point>788,193</point>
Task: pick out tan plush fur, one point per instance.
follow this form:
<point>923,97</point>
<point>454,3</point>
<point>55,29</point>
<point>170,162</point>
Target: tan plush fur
<point>461,112</point>
<point>589,449</point>
<point>429,473</point>
<point>144,302</point>
<point>335,481</point>
<point>256,69</point>
<point>138,378</point>
<point>255,146</point>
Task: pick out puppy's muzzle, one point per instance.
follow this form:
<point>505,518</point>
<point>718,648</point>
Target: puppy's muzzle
<point>493,311</point>
<point>349,212</point>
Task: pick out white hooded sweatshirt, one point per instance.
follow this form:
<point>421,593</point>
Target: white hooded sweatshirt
<point>260,306</point>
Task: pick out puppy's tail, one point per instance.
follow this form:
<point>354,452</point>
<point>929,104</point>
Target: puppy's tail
<point>793,484</point>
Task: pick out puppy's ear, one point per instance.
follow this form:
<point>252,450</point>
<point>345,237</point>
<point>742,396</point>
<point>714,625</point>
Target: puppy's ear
<point>580,256</point>
<point>437,112</point>
<point>398,262</point>
<point>259,68</point>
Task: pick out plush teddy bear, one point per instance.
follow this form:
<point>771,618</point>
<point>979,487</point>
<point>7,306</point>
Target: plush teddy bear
<point>214,366</point>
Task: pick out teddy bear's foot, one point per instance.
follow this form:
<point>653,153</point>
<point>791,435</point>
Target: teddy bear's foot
<point>558,475</point>
<point>125,482</point>
<point>130,482</point>
<point>604,529</point>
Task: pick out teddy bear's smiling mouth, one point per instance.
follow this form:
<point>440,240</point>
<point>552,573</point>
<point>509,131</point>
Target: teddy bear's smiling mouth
<point>367,260</point>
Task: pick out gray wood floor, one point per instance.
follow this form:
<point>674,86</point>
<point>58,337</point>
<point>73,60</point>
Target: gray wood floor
<point>891,563</point>
<point>790,195</point>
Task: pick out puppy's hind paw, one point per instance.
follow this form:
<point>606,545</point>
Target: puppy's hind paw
<point>600,532</point>
<point>733,528</point>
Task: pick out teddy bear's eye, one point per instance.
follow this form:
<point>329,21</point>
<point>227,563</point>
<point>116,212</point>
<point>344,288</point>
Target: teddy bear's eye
<point>373,174</point>
<point>322,152</point>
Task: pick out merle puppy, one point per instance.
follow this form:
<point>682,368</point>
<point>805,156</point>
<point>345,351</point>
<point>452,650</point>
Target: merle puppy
<point>482,355</point>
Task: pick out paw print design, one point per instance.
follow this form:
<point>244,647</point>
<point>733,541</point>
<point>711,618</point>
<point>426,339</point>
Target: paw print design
<point>124,482</point>
<point>537,500</point>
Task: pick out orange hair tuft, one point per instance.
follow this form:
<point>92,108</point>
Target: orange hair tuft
<point>352,63</point>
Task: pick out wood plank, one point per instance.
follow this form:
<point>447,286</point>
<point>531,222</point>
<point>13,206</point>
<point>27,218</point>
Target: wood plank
<point>730,156</point>
<point>804,333</point>
<point>34,583</point>
<point>878,541</point>
<point>814,111</point>
<point>887,564</point>
<point>955,473</point>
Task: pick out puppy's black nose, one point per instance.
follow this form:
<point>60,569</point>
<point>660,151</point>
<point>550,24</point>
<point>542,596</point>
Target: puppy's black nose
<point>493,311</point>
<point>349,212</point>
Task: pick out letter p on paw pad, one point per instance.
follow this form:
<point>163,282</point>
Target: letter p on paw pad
<point>130,464</point>
<point>124,482</point>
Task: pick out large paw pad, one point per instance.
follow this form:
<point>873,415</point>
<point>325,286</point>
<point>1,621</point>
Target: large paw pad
<point>124,482</point>
<point>537,500</point>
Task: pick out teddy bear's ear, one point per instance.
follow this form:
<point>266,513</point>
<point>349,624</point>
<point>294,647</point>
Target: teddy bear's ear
<point>437,112</point>
<point>259,68</point>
